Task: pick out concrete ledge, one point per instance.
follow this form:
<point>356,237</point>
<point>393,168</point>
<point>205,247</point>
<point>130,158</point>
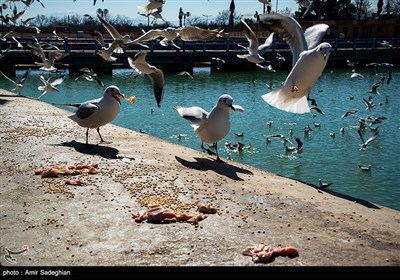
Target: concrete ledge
<point>92,225</point>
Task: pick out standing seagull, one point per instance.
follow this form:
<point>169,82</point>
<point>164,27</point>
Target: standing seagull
<point>98,112</point>
<point>309,60</point>
<point>156,75</point>
<point>211,126</point>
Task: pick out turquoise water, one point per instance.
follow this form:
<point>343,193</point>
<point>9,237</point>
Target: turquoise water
<point>332,159</point>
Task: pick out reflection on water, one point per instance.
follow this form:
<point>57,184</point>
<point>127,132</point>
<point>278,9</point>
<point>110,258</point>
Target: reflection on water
<point>332,159</point>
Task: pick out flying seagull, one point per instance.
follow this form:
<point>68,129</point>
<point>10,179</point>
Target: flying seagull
<point>309,60</point>
<point>20,84</point>
<point>138,63</point>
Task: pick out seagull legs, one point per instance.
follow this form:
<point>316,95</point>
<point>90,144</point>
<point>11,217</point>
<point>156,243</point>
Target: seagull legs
<point>211,152</point>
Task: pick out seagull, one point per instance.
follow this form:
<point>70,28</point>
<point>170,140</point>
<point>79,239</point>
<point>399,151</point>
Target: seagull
<point>90,75</point>
<point>291,31</point>
<point>106,53</point>
<point>292,97</point>
<point>351,63</point>
<point>298,148</point>
<point>369,103</point>
<point>156,75</point>
<point>149,8</point>
<point>219,62</point>
<point>187,33</point>
<point>349,113</point>
<point>98,112</point>
<point>374,88</point>
<point>185,73</point>
<point>120,41</point>
<point>354,74</point>
<point>317,109</point>
<point>3,37</point>
<point>365,168</point>
<point>18,85</point>
<point>308,64</point>
<point>211,126</point>
<point>389,67</point>
<point>19,45</point>
<point>47,64</point>
<point>323,184</point>
<point>49,87</point>
<point>309,5</point>
<point>255,51</point>
<point>369,140</point>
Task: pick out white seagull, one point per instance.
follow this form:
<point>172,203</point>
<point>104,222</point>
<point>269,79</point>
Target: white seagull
<point>139,64</point>
<point>211,126</point>
<point>255,50</point>
<point>120,41</point>
<point>98,112</point>
<point>20,84</point>
<point>47,64</point>
<point>49,86</point>
<point>187,33</point>
<point>308,63</point>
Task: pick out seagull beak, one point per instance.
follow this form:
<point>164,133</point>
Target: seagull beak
<point>118,96</point>
<point>232,107</point>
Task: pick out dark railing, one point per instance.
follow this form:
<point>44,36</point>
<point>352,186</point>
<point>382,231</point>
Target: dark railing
<point>82,52</point>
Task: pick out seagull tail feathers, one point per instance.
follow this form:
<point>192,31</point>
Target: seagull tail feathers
<point>279,100</point>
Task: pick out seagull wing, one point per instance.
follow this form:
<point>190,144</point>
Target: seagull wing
<point>38,51</point>
<point>360,134</point>
<point>86,110</point>
<point>149,35</point>
<point>22,80</point>
<point>314,34</point>
<point>57,82</point>
<point>111,29</point>
<point>157,78</point>
<point>251,37</point>
<point>372,138</point>
<point>194,33</point>
<point>193,114</point>
<point>288,29</point>
<point>98,37</point>
<point>5,76</point>
<point>267,44</point>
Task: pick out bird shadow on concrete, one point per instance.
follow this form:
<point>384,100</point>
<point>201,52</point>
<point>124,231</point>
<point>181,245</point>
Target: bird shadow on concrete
<point>94,150</point>
<point>4,101</point>
<point>222,168</point>
<point>344,196</point>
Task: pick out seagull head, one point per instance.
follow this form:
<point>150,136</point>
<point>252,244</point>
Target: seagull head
<point>325,49</point>
<point>114,92</point>
<point>226,102</point>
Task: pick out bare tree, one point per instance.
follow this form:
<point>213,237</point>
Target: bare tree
<point>392,6</point>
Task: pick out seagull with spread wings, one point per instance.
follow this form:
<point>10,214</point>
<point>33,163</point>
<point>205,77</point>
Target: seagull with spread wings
<point>309,60</point>
<point>20,84</point>
<point>139,64</point>
<point>47,64</point>
<point>49,86</point>
<point>187,33</point>
<point>121,42</point>
<point>255,50</point>
<point>89,75</point>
